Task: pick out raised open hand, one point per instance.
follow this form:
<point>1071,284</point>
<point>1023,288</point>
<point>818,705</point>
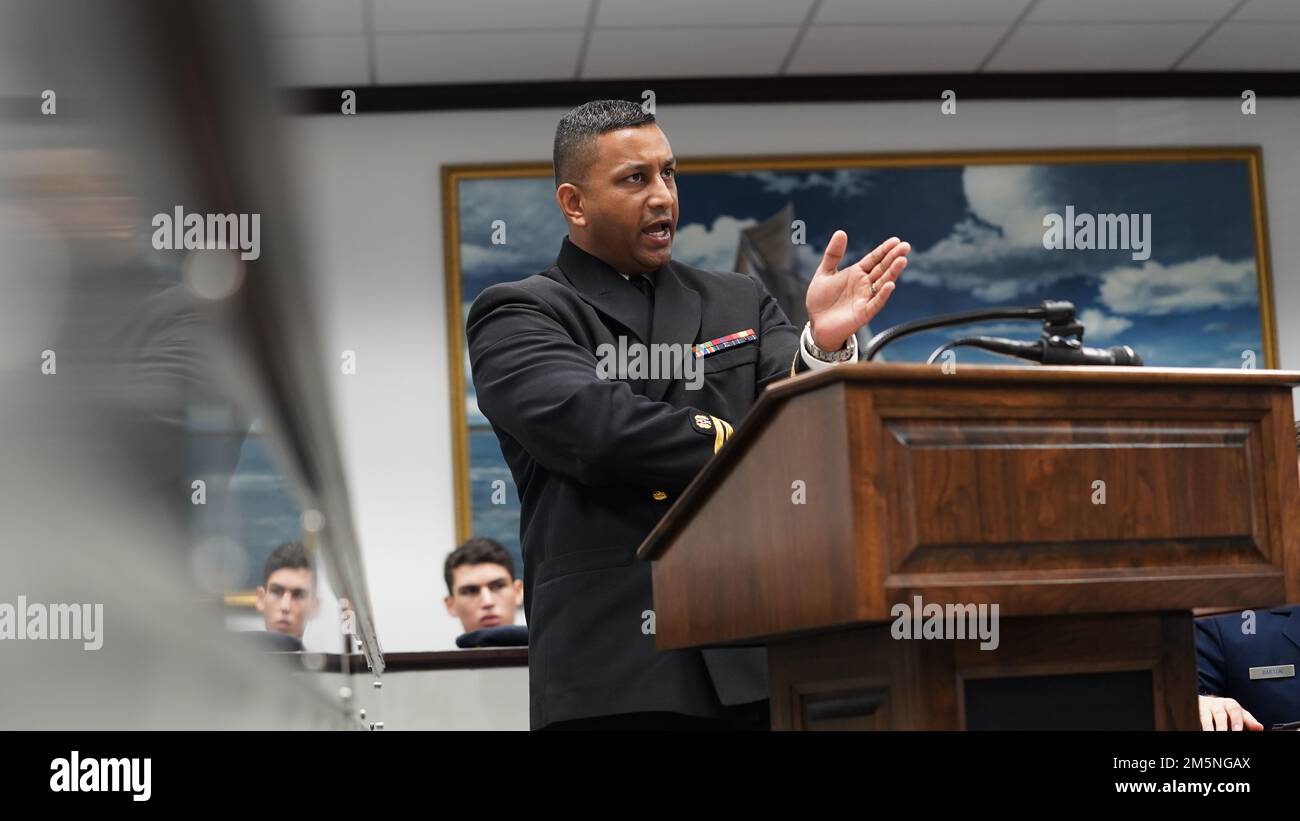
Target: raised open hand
<point>840,302</point>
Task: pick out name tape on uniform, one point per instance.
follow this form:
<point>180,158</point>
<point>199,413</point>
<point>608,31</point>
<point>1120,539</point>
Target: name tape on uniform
<point>1276,671</point>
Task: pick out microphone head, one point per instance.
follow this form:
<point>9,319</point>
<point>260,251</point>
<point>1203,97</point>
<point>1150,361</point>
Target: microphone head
<point>1124,355</point>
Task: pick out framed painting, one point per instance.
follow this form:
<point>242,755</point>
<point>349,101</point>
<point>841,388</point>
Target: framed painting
<point>1165,250</point>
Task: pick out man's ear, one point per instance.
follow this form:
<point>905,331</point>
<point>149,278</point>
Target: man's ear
<point>519,592</point>
<point>447,601</point>
<point>569,197</point>
<point>261,599</point>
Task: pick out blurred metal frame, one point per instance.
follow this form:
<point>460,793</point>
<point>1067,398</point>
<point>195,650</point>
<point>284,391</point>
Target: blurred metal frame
<point>217,98</point>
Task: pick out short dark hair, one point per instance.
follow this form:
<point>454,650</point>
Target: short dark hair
<point>576,133</point>
<point>291,555</point>
<point>478,551</point>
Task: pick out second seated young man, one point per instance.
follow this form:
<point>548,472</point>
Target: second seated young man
<point>599,456</point>
<point>483,593</point>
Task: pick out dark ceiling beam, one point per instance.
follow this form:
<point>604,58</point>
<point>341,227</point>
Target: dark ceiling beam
<point>801,89</point>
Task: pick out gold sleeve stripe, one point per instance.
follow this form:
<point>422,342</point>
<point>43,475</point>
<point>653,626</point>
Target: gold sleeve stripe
<point>726,427</point>
<point>719,436</point>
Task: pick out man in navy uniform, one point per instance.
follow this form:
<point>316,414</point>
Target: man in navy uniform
<point>599,455</point>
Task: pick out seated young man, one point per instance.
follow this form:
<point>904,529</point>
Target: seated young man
<point>484,594</point>
<point>287,596</point>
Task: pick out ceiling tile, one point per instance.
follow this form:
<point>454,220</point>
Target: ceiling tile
<point>646,52</point>
<point>894,49</point>
<point>666,13</point>
<point>1122,11</point>
<point>423,15</point>
<point>1096,46</point>
<point>321,61</point>
<point>919,11</point>
<point>1248,47</point>
<point>477,57</point>
<point>314,16</point>
<point>1268,11</point>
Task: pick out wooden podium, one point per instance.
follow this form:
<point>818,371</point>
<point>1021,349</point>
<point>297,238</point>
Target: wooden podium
<point>1096,507</point>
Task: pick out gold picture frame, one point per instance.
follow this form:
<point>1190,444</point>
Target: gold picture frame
<point>452,175</point>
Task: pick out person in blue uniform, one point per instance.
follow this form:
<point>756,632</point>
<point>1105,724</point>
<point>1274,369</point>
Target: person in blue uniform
<point>1246,665</point>
<point>1246,669</point>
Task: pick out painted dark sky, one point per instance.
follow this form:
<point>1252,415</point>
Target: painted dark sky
<point>977,235</point>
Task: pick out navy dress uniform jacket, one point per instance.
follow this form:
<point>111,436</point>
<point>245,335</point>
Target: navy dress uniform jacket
<point>597,461</point>
<point>1225,656</point>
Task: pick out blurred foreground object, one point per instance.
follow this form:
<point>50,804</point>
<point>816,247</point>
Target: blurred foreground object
<point>116,355</point>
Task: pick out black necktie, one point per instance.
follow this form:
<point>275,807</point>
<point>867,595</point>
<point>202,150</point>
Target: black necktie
<point>647,288</point>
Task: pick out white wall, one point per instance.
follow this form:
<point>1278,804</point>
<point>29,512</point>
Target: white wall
<point>370,197</point>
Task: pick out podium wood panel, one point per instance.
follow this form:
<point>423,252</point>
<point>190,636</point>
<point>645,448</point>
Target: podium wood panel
<point>862,679</point>
<point>978,487</point>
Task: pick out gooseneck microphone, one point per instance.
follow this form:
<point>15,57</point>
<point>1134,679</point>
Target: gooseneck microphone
<point>1061,342</point>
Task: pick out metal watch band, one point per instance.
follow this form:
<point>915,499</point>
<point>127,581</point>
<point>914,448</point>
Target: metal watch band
<point>849,351</point>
